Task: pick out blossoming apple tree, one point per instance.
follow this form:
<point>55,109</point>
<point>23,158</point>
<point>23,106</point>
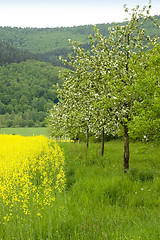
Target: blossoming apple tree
<point>104,86</point>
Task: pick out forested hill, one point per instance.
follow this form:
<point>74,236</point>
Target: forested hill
<point>9,54</point>
<point>50,43</point>
<point>42,40</point>
<point>26,92</point>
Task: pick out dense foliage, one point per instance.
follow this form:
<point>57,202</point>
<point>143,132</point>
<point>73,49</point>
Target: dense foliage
<point>27,92</point>
<point>9,54</point>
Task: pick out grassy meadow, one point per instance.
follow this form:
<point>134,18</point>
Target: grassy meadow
<point>102,202</point>
<point>99,201</point>
<point>27,131</point>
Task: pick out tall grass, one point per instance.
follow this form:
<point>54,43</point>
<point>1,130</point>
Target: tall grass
<point>100,202</point>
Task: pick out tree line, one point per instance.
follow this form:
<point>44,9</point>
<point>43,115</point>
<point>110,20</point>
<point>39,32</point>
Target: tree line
<point>113,86</point>
<point>28,118</point>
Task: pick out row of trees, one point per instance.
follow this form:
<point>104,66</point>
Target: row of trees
<point>111,86</point>
<point>38,104</point>
<point>30,118</point>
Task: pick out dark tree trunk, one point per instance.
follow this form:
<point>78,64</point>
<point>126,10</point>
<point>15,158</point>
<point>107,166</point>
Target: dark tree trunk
<point>102,142</point>
<point>126,149</point>
<point>126,134</point>
<point>87,137</point>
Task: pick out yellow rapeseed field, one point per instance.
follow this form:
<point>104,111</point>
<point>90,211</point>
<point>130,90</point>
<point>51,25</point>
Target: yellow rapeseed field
<point>31,172</point>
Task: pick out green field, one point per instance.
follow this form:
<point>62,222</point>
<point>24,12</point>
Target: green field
<point>24,131</point>
<point>104,203</point>
<point>100,201</point>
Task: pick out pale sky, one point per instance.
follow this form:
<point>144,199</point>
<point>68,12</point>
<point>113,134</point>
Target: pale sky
<point>66,13</point>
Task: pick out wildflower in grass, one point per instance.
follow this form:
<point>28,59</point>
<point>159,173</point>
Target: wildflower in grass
<point>31,171</point>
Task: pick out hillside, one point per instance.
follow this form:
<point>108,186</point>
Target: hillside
<point>9,54</point>
<point>50,43</point>
<point>27,88</point>
<point>42,40</point>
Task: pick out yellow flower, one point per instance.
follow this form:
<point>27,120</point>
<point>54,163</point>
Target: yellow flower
<point>31,170</point>
<point>39,215</point>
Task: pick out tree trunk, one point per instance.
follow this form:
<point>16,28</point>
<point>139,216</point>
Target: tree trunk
<point>126,135</point>
<point>126,149</point>
<point>87,137</point>
<point>102,142</point>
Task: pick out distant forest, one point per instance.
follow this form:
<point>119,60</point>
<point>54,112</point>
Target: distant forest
<point>30,65</point>
<point>49,43</point>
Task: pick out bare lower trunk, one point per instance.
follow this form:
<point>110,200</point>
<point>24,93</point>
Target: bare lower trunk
<point>87,137</point>
<point>126,149</point>
<point>126,134</point>
<point>102,142</point>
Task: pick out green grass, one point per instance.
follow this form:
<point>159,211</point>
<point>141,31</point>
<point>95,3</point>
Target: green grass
<point>25,131</point>
<point>100,202</point>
